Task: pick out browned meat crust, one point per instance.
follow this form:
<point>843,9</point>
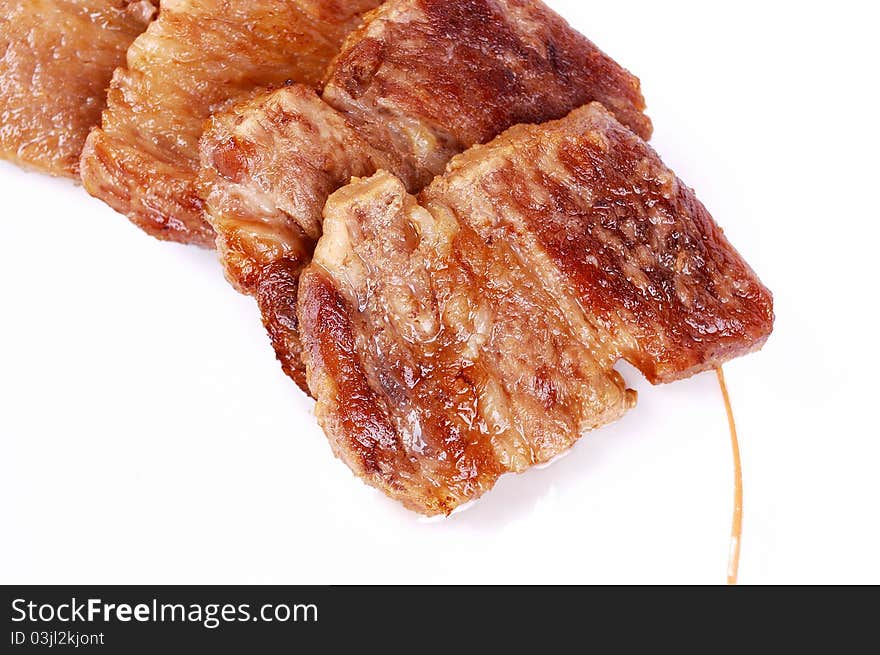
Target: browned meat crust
<point>198,55</point>
<point>419,82</point>
<point>474,332</point>
<point>56,60</point>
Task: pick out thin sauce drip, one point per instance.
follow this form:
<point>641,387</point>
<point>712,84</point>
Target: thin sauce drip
<point>736,529</point>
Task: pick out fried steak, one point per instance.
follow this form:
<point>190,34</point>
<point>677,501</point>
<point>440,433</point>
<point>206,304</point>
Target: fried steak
<point>473,331</point>
<point>419,82</point>
<point>197,56</point>
<point>56,61</point>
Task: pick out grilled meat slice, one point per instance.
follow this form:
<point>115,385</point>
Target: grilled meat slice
<point>197,56</point>
<point>430,78</point>
<point>419,82</point>
<point>474,331</point>
<point>272,162</point>
<point>56,63</point>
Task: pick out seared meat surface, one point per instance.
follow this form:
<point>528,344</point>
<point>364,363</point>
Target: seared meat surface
<point>473,331</point>
<point>56,60</point>
<point>419,82</point>
<point>196,57</point>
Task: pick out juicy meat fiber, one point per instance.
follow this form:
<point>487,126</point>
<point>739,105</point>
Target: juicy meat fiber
<point>419,82</point>
<point>56,60</point>
<point>197,56</point>
<point>474,331</point>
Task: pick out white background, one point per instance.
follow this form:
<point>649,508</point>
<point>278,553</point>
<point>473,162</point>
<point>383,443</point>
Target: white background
<point>148,436</point>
